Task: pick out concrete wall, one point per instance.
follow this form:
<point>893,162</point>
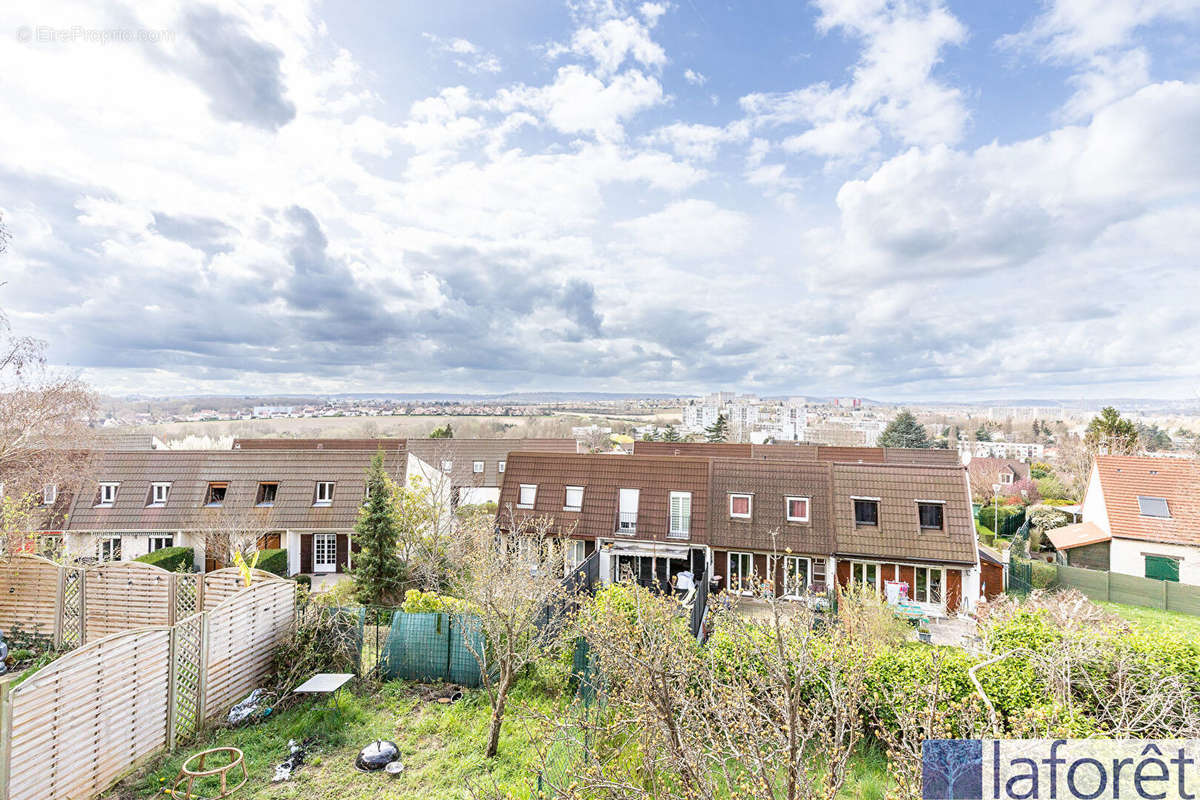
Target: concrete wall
<point>1128,558</point>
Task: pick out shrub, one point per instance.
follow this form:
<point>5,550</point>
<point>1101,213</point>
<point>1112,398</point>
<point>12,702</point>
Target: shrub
<point>419,602</point>
<point>1044,574</point>
<point>988,515</point>
<point>274,561</point>
<point>1051,486</point>
<point>323,640</point>
<point>304,580</point>
<point>172,559</point>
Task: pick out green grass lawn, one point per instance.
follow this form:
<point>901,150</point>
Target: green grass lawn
<point>441,746</point>
<point>1152,619</point>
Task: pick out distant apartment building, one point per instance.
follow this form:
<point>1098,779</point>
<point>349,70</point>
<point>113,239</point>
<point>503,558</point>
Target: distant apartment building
<point>750,418</point>
<point>1022,451</point>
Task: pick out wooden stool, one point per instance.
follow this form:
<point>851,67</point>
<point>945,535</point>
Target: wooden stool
<point>191,773</point>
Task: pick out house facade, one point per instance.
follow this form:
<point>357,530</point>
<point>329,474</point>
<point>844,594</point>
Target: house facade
<point>306,501</point>
<point>1148,511</point>
<point>751,517</point>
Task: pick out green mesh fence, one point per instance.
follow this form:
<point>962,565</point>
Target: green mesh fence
<point>429,647</point>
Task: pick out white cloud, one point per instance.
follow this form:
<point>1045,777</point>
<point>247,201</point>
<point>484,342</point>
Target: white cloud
<point>696,141</point>
<point>610,42</point>
<point>693,77</point>
<point>466,54</point>
<point>1095,38</point>
<point>580,102</point>
<point>689,229</point>
<point>892,90</point>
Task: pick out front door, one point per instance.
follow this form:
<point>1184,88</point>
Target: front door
<point>325,552</point>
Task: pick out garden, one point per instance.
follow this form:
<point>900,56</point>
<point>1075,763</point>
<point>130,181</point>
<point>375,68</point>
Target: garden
<point>621,701</point>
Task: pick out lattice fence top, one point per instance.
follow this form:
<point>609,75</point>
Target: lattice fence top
<point>221,584</point>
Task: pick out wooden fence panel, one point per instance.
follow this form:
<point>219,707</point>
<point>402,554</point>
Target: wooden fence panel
<point>29,595</point>
<point>222,584</point>
<point>242,634</point>
<point>1184,598</point>
<point>81,722</point>
<point>1134,591</point>
<point>1092,583</point>
<point>126,595</point>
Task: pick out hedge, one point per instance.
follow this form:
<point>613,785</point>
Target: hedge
<point>172,559</point>
<point>274,561</point>
<point>1043,574</point>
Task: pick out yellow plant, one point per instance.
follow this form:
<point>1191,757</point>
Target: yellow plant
<point>246,567</point>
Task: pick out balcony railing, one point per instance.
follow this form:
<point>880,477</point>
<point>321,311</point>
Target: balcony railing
<point>678,534</point>
<point>627,522</point>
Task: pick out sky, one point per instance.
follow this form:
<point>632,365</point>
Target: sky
<point>901,200</point>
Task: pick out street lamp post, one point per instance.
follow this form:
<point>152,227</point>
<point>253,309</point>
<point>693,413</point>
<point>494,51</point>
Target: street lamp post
<point>996,509</point>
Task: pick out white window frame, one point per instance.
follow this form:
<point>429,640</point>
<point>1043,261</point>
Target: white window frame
<point>323,539</point>
<point>108,494</point>
<point>749,505</point>
<point>447,466</point>
<point>477,467</point>
<point>567,504</point>
<point>1006,477</point>
<point>787,508</point>
<point>628,503</point>
<point>790,591</point>
<point>574,554</point>
<point>49,494</point>
<point>531,489</point>
<point>321,496</point>
<point>858,573</point>
<point>159,542</point>
<point>929,572</point>
<point>155,500</point>
<point>744,585</point>
<point>679,523</point>
<point>111,544</point>
<point>500,465</point>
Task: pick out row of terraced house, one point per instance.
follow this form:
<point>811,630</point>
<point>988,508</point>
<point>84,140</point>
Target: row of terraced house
<point>794,517</point>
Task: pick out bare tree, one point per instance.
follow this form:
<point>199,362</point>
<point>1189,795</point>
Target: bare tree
<point>227,531</point>
<point>513,595</point>
<point>44,435</point>
<point>767,709</point>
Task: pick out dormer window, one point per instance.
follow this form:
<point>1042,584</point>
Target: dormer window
<point>574,498</point>
<point>477,467</point>
<point>796,508</point>
<point>1154,507</point>
<point>447,466</point>
<point>739,506</point>
<point>866,510</point>
<point>158,495</point>
<point>49,494</point>
<point>527,495</point>
<point>1006,477</point>
<point>324,494</point>
<point>500,466</point>
<point>107,495</point>
<point>214,497</point>
<point>266,494</point>
<point>930,514</point>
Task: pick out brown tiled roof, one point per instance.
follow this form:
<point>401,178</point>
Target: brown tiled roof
<point>1077,535</point>
<point>191,471</point>
<point>318,444</point>
<point>601,476</point>
<point>463,453</point>
<point>1124,478</point>
<point>716,449</point>
<point>987,468</point>
<point>124,441</point>
<point>801,451</point>
<point>770,481</point>
<point>899,536</point>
